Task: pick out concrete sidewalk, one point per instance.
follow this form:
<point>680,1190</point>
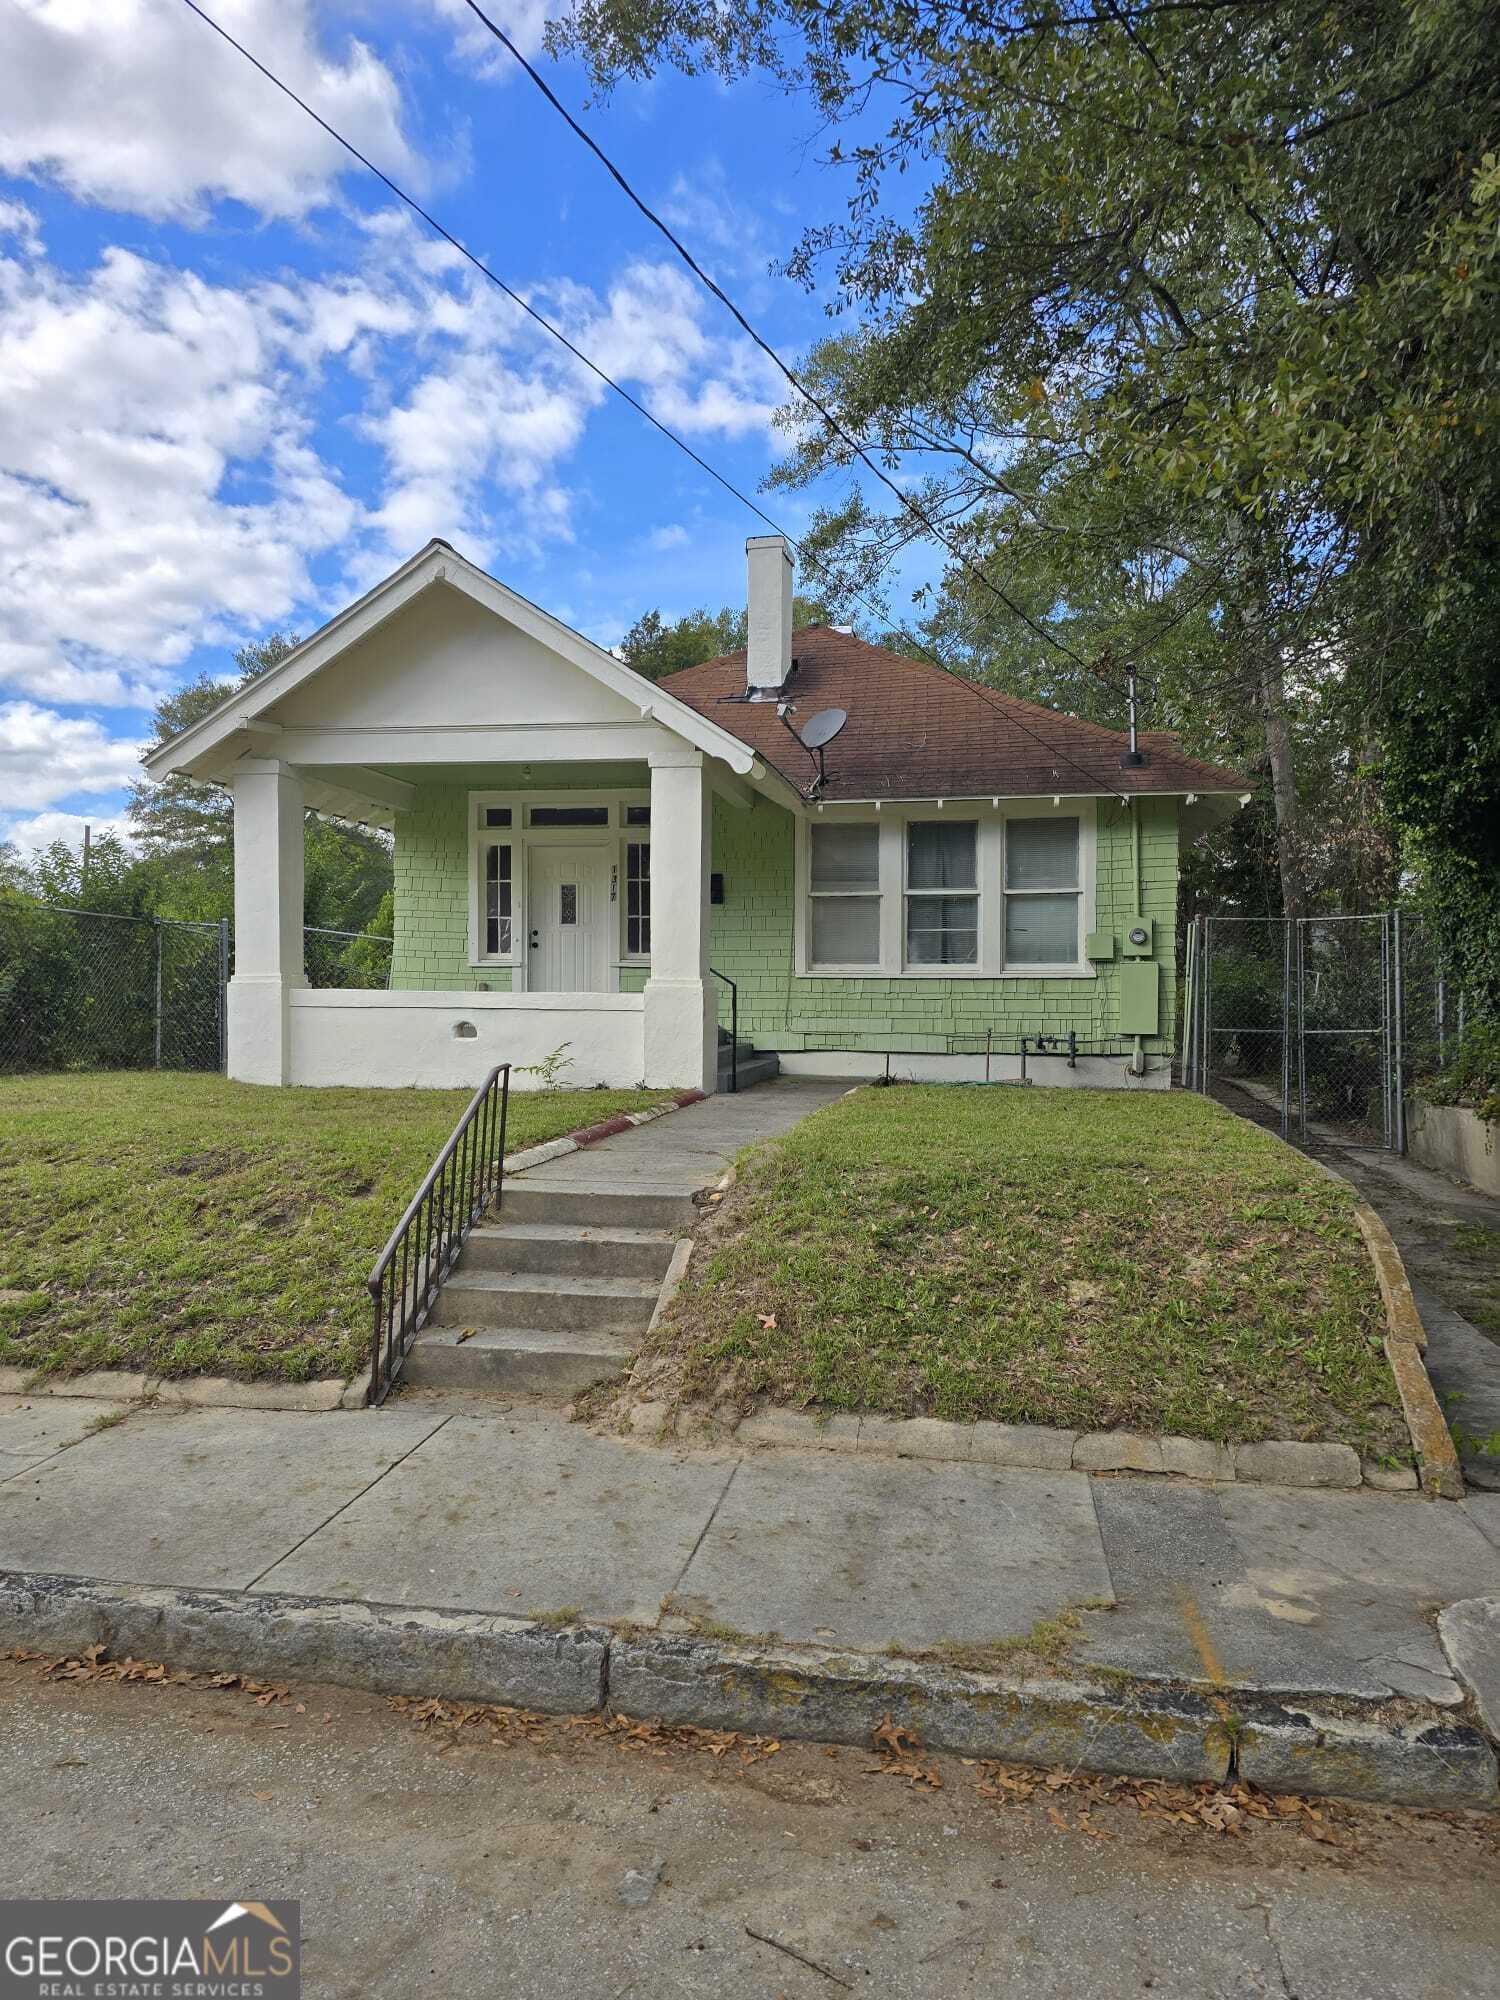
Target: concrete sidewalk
<point>1245,1587</point>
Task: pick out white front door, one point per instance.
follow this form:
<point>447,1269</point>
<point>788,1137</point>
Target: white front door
<point>569,917</point>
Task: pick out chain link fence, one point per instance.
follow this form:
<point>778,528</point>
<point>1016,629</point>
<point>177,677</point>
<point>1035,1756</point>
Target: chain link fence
<point>88,990</point>
<point>1325,1019</point>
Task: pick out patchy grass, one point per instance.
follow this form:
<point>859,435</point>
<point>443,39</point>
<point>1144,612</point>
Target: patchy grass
<point>1089,1259</point>
<point>186,1224</point>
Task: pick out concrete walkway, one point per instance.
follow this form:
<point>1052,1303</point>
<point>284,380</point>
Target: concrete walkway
<point>1262,1587</point>
<point>1427,1215</point>
<point>680,1154</point>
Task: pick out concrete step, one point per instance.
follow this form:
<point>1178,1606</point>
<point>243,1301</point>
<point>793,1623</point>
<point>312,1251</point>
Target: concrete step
<point>532,1299</point>
<point>759,1067</point>
<point>538,1361</point>
<point>563,1249</point>
<point>528,1198</point>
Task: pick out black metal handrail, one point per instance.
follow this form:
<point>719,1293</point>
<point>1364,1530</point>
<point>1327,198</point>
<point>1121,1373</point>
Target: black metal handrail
<point>734,1029</point>
<point>463,1181</point>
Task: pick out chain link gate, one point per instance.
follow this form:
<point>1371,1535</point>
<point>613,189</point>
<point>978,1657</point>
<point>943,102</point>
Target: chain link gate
<point>1320,1019</point>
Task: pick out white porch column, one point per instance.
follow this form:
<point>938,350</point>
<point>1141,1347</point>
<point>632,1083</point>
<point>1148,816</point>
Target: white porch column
<point>681,1013</point>
<point>268,835</point>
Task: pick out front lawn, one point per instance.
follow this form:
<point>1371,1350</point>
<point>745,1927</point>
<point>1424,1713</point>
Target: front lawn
<point>1090,1259</point>
<point>185,1224</point>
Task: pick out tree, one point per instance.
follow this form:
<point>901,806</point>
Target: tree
<point>1233,262</point>
<point>185,826</point>
<point>654,648</point>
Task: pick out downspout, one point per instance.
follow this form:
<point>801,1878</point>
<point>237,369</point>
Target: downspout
<point>1138,1060</point>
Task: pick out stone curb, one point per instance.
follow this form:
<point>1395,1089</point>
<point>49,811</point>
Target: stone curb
<point>1037,1447</point>
<point>382,1649</point>
<point>1140,1731</point>
<point>1284,1748</point>
<point>220,1392</point>
<point>1137,1729</point>
<point>1404,1343</point>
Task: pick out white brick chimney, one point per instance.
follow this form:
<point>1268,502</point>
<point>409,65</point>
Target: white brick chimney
<point>768,658</point>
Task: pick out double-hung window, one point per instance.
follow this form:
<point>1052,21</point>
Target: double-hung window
<point>844,897</point>
<point>942,892</point>
<point>1043,892</point>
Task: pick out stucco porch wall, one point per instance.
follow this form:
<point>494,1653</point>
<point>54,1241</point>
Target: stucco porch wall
<point>344,1036</point>
<point>752,942</point>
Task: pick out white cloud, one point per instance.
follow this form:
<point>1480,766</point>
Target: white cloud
<point>673,536</point>
<point>42,829</point>
<point>156,485</point>
<point>45,757</point>
<point>138,105</point>
<point>17,220</point>
<point>522,20</point>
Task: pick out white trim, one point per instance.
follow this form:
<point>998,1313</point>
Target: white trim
<point>435,565</point>
<point>892,820</point>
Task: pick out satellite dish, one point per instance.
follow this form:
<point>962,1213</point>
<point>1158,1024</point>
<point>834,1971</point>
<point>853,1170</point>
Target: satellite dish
<point>823,727</point>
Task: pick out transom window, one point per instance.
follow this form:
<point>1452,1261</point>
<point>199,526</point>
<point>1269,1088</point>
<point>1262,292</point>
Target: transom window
<point>506,835</point>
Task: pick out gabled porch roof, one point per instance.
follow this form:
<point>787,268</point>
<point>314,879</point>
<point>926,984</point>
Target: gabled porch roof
<point>343,764</point>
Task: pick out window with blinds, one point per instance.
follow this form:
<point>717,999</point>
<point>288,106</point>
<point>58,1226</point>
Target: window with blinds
<point>1042,892</point>
<point>942,892</point>
<point>844,899</point>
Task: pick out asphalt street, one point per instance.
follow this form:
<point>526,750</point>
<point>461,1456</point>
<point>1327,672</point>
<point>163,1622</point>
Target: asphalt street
<point>497,1857</point>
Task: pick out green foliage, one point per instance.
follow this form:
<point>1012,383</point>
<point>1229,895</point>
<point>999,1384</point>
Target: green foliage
<point>654,648</point>
<point>1442,784</point>
<point>1189,334</point>
<point>1470,1071</point>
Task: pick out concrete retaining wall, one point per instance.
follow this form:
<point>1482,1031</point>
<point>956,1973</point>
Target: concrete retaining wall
<point>1456,1142</point>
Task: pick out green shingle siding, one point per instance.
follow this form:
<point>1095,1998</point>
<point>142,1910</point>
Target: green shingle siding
<point>752,930</point>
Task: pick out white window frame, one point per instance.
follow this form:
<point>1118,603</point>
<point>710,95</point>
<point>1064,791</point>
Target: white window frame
<point>521,838</point>
<point>808,894</point>
<point>991,817</point>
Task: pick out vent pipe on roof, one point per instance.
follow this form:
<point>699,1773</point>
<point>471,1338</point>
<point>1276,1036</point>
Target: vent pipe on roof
<point>768,656</point>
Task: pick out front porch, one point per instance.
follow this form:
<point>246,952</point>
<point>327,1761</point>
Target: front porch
<point>554,916</point>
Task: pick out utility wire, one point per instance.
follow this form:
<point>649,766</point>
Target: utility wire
<point>989,696</point>
<point>515,297</point>
<point>917,513</point>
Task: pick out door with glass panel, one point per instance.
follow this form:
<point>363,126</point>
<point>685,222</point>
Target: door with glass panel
<point>567,910</point>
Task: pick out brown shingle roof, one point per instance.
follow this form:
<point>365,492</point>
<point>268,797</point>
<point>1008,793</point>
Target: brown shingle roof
<point>916,731</point>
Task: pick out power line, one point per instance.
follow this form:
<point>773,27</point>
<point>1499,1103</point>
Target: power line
<point>987,695</point>
<point>918,514</point>
<point>479,265</point>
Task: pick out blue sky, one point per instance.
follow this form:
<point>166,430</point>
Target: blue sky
<point>238,383</point>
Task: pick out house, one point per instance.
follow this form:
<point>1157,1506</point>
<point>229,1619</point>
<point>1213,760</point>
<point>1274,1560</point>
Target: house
<point>585,860</point>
